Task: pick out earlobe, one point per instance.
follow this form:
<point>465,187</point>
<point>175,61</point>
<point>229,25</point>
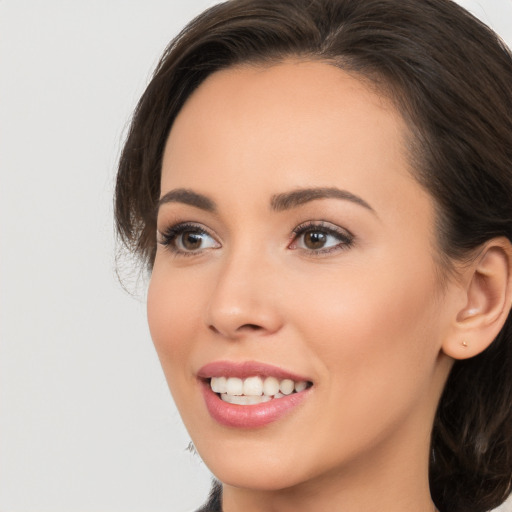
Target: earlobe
<point>487,301</point>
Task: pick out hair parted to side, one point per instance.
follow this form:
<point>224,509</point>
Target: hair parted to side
<point>450,76</point>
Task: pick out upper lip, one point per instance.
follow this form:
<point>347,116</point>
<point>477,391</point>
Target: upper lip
<point>245,369</point>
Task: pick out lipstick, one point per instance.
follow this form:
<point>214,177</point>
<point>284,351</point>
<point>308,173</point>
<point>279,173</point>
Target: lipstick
<point>290,390</point>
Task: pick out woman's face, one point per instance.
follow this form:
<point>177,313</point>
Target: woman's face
<point>296,246</point>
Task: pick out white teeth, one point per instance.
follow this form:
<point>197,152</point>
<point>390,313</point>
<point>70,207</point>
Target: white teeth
<point>270,386</point>
<point>234,386</point>
<point>254,390</point>
<point>218,384</point>
<point>301,386</point>
<point>245,400</point>
<point>287,386</point>
<point>253,386</point>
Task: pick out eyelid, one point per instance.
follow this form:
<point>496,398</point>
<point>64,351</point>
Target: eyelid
<point>345,237</point>
<point>167,238</point>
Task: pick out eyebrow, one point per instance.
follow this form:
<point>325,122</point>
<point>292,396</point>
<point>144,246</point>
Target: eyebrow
<point>278,202</point>
<point>289,200</point>
<point>187,196</point>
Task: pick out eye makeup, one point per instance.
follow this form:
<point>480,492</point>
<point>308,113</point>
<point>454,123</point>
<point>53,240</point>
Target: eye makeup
<point>320,238</point>
<point>315,238</point>
<point>187,239</point>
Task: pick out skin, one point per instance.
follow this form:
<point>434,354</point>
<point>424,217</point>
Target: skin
<point>365,322</point>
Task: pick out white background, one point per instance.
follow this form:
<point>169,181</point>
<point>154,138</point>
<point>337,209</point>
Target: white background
<point>86,420</point>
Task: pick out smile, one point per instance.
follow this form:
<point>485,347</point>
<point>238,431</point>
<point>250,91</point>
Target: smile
<point>254,390</point>
<point>250,395</point>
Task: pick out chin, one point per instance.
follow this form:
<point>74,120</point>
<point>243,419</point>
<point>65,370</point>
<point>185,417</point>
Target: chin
<point>245,476</point>
<point>253,462</point>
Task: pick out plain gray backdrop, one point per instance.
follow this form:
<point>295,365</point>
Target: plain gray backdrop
<point>86,420</point>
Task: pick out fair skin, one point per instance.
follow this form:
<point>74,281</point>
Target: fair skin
<point>352,300</point>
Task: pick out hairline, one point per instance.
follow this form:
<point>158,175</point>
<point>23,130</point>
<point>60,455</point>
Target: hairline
<point>383,87</point>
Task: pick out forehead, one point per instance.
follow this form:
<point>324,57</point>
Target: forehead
<point>248,133</point>
<point>288,109</point>
<point>292,124</point>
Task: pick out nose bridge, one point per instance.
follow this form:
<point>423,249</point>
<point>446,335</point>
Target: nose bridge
<point>242,300</point>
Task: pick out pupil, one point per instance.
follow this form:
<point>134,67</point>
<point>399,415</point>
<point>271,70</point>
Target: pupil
<point>315,240</point>
<point>191,240</point>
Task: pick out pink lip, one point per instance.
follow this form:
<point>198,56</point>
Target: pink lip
<point>248,416</point>
<point>246,369</point>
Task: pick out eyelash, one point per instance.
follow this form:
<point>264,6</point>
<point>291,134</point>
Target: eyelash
<point>169,237</point>
<point>346,239</point>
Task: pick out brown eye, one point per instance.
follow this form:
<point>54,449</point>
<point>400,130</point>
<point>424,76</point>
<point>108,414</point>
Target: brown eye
<point>321,238</point>
<point>315,240</point>
<point>187,239</point>
<point>193,240</point>
<point>190,240</point>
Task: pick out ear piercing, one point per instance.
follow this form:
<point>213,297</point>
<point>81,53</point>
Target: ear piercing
<point>464,344</point>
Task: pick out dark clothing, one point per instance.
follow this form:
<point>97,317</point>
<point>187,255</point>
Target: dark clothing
<point>214,503</point>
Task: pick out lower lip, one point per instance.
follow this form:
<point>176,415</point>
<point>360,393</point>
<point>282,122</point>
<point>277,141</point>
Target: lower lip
<point>250,416</point>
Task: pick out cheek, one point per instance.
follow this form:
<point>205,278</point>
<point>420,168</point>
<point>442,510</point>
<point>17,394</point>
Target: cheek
<point>371,336</point>
<point>173,309</point>
<point>372,328</point>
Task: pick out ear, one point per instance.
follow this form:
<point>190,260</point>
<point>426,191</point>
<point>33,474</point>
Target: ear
<point>487,289</point>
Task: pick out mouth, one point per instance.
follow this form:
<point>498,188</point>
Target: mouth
<point>249,395</point>
<point>255,389</point>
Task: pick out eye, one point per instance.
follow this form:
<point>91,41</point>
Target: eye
<point>187,239</point>
<point>321,237</point>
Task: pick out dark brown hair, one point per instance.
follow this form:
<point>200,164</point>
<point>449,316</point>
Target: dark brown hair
<point>451,78</point>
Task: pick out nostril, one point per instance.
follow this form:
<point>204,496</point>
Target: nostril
<point>251,327</point>
<point>244,328</point>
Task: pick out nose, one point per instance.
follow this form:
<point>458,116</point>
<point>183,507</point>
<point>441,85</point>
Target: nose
<point>244,300</point>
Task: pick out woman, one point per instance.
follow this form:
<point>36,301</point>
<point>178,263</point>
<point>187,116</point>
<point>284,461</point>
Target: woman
<point>322,191</point>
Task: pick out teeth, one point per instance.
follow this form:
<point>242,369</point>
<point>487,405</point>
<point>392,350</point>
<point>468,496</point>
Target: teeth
<point>287,386</point>
<point>253,386</point>
<point>301,386</point>
<point>218,384</point>
<point>234,386</point>
<point>245,400</point>
<point>270,386</point>
<point>254,390</point>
